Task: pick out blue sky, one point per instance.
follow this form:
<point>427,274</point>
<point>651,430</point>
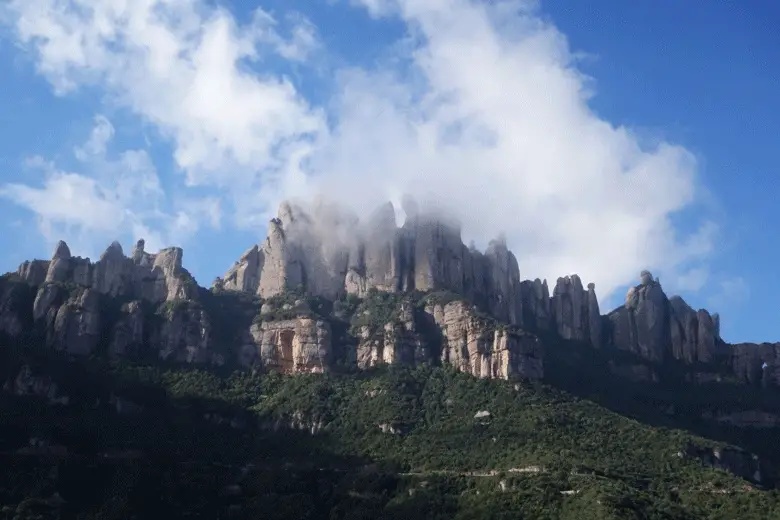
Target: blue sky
<point>600,137</point>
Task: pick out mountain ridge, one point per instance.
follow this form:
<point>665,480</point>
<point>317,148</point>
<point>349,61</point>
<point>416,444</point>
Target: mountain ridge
<point>328,254</point>
<point>642,409</point>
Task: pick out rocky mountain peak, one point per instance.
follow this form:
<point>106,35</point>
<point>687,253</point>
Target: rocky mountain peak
<point>326,252</point>
<point>61,251</point>
<point>113,252</point>
<point>155,278</point>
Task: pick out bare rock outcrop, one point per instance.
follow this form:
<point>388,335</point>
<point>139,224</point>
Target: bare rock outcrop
<point>477,346</point>
<point>536,305</point>
<point>658,328</point>
<point>70,319</point>
<point>27,382</point>
<point>757,364</point>
<point>74,298</point>
<point>330,252</point>
<point>76,327</point>
<point>397,341</point>
<point>575,311</point>
<point>245,274</point>
<point>376,257</point>
<point>34,271</point>
<point>185,334</point>
<point>298,345</point>
<point>732,459</point>
<point>128,333</point>
<point>15,306</point>
<point>60,265</point>
<point>154,277</point>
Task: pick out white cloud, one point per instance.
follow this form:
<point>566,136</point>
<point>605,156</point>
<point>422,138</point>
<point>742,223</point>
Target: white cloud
<point>492,117</point>
<point>692,280</point>
<point>183,67</point>
<point>112,197</point>
<point>730,292</point>
<point>482,108</point>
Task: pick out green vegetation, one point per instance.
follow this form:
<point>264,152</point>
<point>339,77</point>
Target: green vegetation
<point>152,439</point>
<point>440,298</point>
<point>191,443</point>
<point>190,284</point>
<point>296,303</point>
<point>377,309</point>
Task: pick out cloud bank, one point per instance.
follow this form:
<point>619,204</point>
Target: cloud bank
<point>480,108</point>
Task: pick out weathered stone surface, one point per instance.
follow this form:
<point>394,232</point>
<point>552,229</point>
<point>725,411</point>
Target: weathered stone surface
<point>15,311</point>
<point>575,311</point>
<point>185,334</point>
<point>330,252</point>
<point>33,272</point>
<point>473,345</point>
<point>245,274</point>
<point>59,267</point>
<point>376,257</point>
<point>153,277</point>
<point>656,327</point>
<point>10,319</point>
<point>398,341</point>
<point>594,317</point>
<point>502,290</point>
<point>757,364</point>
<point>113,274</point>
<point>128,333</point>
<point>76,324</point>
<point>293,346</point>
<point>536,304</point>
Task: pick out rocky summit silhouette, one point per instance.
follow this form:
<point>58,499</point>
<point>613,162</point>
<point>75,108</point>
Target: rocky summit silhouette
<point>350,367</point>
<point>326,288</point>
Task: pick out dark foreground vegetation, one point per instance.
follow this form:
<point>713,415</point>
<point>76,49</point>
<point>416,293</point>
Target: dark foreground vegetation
<point>116,440</point>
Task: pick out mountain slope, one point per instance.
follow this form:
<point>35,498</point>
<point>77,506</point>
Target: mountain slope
<point>333,376</point>
<point>387,443</point>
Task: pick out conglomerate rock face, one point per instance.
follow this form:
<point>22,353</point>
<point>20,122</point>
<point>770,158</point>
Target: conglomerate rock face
<point>153,277</point>
<point>658,328</point>
<point>73,298</point>
<point>330,253</point>
<point>148,304</point>
<point>451,333</point>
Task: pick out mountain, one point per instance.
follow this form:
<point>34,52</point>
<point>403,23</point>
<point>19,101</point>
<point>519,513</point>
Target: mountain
<point>356,369</point>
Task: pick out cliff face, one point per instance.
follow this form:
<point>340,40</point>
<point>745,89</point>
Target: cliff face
<point>477,346</point>
<point>331,254</point>
<point>299,345</point>
<point>452,333</point>
<point>148,304</point>
<point>153,277</point>
<point>78,306</point>
<point>658,328</point>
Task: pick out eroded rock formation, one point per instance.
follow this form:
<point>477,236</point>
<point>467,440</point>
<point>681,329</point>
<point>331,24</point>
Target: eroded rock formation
<point>396,341</point>
<point>757,364</point>
<point>298,345</point>
<point>149,304</point>
<point>479,347</point>
<point>658,328</point>
<point>329,253</point>
<point>153,277</point>
<point>451,333</point>
<point>74,299</point>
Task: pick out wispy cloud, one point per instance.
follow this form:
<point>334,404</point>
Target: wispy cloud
<point>729,292</point>
<point>113,196</point>
<point>482,108</point>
